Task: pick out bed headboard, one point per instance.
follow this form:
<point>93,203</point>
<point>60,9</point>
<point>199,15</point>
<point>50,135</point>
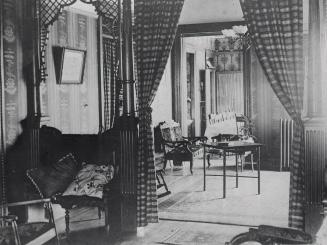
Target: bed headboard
<point>94,149</point>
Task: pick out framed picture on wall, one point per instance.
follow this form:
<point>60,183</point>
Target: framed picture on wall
<point>69,65</point>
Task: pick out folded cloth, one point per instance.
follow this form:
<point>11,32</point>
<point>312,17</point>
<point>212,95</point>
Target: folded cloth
<point>90,180</point>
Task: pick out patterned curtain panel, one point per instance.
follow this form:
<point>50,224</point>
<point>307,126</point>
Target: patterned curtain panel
<point>110,83</point>
<point>155,28</point>
<point>2,147</point>
<point>276,31</point>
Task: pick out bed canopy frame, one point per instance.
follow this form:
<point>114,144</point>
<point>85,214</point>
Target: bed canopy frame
<point>47,13</point>
<point>116,22</point>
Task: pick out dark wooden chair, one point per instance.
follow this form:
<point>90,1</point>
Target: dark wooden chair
<point>28,233</point>
<point>221,127</point>
<point>177,148</point>
<point>229,126</point>
<point>159,162</point>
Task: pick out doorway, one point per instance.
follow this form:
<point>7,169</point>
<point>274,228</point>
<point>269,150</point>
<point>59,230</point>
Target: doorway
<point>212,81</point>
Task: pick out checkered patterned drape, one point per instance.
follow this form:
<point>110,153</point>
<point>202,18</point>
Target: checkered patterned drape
<point>110,83</point>
<point>155,29</point>
<point>276,31</point>
<point>3,197</point>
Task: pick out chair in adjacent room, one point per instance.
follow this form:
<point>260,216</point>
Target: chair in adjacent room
<point>229,126</point>
<point>221,127</point>
<point>244,132</point>
<point>31,232</point>
<point>159,163</point>
<point>177,148</point>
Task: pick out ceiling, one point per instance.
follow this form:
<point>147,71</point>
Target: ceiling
<point>203,11</point>
<point>208,11</point>
<point>194,11</point>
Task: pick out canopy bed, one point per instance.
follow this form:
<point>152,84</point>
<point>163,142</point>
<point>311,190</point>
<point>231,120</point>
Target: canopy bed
<point>134,159</point>
<point>115,54</point>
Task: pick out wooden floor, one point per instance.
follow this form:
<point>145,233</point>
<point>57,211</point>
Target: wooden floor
<point>185,214</point>
<point>242,205</point>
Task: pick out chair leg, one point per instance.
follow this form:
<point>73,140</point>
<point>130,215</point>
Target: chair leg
<point>99,213</point>
<point>67,222</point>
<point>171,165</point>
<point>15,231</point>
<point>252,162</point>
<point>163,181</point>
<point>165,164</point>
<point>52,221</point>
<point>191,165</point>
<point>106,218</point>
<point>208,160</point>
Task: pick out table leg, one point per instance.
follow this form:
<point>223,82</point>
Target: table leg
<point>259,170</point>
<point>224,176</point>
<point>204,168</point>
<point>236,165</point>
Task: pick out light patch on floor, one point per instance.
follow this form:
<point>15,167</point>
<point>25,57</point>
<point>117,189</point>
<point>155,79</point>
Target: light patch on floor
<point>242,205</point>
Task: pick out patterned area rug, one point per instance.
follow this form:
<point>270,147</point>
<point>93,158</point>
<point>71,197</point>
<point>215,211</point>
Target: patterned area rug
<point>182,237</point>
<point>195,233</point>
<point>242,205</point>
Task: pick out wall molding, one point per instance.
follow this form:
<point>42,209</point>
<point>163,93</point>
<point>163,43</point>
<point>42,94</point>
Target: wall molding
<point>207,29</point>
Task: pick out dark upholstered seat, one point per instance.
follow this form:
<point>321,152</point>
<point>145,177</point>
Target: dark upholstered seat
<point>78,149</point>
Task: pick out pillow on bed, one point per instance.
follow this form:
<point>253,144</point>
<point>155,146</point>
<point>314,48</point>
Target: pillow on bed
<point>90,181</point>
<point>53,179</point>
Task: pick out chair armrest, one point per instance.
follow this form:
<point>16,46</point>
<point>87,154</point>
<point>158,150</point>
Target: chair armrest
<point>9,218</point>
<point>196,138</point>
<point>25,203</point>
<point>177,143</point>
<point>47,206</point>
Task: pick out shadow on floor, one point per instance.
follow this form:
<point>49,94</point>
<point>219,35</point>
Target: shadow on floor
<point>90,236</point>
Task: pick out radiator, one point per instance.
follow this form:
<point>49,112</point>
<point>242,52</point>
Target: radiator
<point>315,160</point>
<point>286,139</point>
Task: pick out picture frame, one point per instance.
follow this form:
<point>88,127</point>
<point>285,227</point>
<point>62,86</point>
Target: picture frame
<point>69,65</point>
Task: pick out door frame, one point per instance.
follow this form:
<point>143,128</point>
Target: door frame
<point>177,58</point>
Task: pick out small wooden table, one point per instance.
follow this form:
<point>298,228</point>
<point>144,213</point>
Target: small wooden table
<point>237,148</point>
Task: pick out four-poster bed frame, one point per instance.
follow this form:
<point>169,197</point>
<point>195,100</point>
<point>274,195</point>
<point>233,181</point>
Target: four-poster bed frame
<point>115,21</point>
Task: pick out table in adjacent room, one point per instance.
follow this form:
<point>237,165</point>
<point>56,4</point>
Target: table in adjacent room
<point>236,148</point>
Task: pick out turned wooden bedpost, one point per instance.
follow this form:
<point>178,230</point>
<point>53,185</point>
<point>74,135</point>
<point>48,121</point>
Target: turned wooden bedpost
<point>127,125</point>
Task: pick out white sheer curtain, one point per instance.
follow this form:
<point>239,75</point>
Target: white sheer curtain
<point>229,92</point>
